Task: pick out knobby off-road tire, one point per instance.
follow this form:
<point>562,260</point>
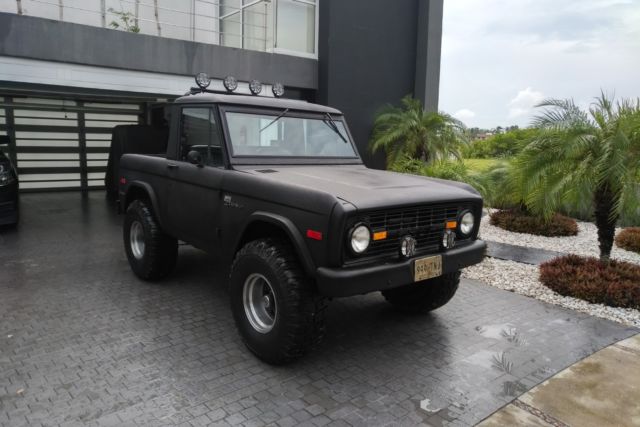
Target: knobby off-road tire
<point>277,311</point>
<point>424,296</point>
<point>152,253</point>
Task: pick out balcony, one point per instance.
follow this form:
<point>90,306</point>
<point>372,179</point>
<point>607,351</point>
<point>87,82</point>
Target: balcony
<point>277,26</point>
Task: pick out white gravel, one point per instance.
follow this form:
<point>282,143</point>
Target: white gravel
<point>523,279</point>
<point>585,243</point>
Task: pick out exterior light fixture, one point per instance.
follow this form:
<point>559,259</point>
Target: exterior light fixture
<point>466,224</point>
<point>230,83</point>
<point>277,89</point>
<point>255,87</point>
<point>202,80</point>
<point>359,239</point>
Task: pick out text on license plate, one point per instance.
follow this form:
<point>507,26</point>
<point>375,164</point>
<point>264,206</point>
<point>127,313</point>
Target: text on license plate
<point>427,268</point>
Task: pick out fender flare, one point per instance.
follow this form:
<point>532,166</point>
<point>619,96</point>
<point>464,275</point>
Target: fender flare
<point>291,231</point>
<point>152,197</point>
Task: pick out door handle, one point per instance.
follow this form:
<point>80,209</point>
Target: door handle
<point>172,166</point>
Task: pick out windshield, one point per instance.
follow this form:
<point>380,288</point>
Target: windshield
<point>280,135</point>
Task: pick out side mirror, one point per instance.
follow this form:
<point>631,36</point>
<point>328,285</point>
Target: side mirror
<point>4,140</point>
<point>195,158</point>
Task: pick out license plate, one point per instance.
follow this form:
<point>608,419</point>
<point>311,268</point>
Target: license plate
<point>427,268</point>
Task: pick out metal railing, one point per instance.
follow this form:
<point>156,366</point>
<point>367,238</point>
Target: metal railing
<point>247,26</point>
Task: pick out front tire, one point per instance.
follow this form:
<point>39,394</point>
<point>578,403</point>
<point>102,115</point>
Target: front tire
<point>278,313</point>
<point>151,252</point>
<point>424,296</point>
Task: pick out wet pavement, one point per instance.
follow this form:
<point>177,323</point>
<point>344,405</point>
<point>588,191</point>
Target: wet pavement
<point>83,342</point>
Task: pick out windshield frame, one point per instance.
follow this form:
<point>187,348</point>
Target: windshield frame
<point>285,160</point>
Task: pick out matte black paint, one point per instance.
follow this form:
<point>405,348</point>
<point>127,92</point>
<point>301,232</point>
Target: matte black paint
<point>9,198</point>
<point>211,208</point>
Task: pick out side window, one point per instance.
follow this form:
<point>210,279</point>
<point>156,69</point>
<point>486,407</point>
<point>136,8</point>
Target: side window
<point>199,132</point>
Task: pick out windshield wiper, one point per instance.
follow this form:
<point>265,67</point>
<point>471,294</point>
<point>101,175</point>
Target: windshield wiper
<point>332,125</point>
<point>275,120</point>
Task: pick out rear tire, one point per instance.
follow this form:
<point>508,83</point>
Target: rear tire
<point>424,296</point>
<point>151,252</point>
<point>278,313</point>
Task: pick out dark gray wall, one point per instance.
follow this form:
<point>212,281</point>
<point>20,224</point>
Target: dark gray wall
<point>372,53</point>
<point>48,40</point>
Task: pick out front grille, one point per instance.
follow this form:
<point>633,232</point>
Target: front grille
<point>424,223</point>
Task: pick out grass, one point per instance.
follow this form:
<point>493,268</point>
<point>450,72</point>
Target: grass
<point>483,165</point>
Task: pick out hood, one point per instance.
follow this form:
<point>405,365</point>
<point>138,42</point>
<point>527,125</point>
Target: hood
<point>367,188</point>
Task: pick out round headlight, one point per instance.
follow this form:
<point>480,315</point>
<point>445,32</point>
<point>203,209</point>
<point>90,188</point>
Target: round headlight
<point>255,87</point>
<point>466,223</point>
<point>230,83</point>
<point>360,238</point>
<point>277,89</point>
<point>202,80</point>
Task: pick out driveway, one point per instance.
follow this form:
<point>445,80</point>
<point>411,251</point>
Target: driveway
<point>82,341</point>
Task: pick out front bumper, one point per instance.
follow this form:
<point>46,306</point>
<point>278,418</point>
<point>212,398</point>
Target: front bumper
<point>344,282</point>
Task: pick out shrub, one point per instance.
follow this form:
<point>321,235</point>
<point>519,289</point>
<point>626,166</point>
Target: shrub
<point>501,145</point>
<point>615,284</point>
<point>521,222</point>
<point>629,239</point>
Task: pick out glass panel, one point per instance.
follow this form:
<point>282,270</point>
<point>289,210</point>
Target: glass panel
<point>259,135</point>
<point>230,25</point>
<point>255,23</point>
<point>296,26</point>
<point>199,133</point>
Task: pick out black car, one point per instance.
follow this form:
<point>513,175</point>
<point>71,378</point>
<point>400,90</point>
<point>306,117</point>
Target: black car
<point>276,189</point>
<point>9,208</point>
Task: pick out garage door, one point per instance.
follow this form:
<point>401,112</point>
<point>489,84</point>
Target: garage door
<point>64,144</point>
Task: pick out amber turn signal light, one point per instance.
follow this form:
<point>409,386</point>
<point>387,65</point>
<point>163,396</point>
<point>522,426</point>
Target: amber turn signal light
<point>379,235</point>
<point>451,225</point>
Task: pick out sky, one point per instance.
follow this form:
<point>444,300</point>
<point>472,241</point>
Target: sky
<point>502,57</point>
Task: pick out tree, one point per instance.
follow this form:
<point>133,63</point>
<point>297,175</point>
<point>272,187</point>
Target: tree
<point>412,131</point>
<point>577,153</point>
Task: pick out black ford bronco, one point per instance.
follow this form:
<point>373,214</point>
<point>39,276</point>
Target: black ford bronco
<point>276,189</point>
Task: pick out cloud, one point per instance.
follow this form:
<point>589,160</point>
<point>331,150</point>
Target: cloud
<point>464,114</point>
<point>524,102</point>
<point>493,49</point>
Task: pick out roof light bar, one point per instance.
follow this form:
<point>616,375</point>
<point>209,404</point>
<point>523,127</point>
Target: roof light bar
<point>231,85</point>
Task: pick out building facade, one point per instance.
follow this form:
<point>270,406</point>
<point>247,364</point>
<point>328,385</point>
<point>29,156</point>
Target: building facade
<point>70,70</point>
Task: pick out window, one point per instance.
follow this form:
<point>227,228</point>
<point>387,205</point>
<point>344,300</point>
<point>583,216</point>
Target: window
<point>296,29</point>
<point>250,24</point>
<point>246,24</point>
<point>199,132</point>
<point>258,135</point>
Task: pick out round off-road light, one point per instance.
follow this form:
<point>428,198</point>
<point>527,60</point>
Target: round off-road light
<point>448,239</point>
<point>466,223</point>
<point>255,87</point>
<point>230,83</point>
<point>277,89</point>
<point>408,246</point>
<point>360,238</point>
<point>202,80</point>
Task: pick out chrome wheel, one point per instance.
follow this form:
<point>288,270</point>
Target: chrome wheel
<point>259,303</point>
<point>136,239</point>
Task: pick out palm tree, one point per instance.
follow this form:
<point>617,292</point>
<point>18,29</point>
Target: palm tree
<point>412,131</point>
<point>577,154</point>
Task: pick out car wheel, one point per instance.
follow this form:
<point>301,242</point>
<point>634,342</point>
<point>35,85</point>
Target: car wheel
<point>424,296</point>
<point>278,313</point>
<point>152,253</point>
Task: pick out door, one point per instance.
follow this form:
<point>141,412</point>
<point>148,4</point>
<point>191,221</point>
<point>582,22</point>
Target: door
<point>194,193</point>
